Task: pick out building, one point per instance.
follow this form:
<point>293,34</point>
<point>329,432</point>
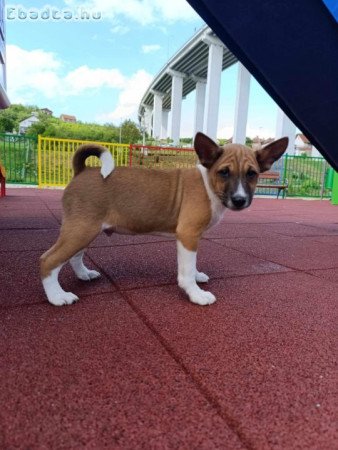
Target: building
<point>68,118</point>
<point>4,101</point>
<point>26,123</point>
<point>47,111</point>
<point>256,143</point>
<point>304,146</point>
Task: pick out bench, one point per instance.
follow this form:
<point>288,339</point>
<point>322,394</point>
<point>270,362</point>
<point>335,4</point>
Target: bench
<point>275,182</point>
<point>2,181</point>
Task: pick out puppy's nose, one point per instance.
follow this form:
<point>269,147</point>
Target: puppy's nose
<point>238,201</point>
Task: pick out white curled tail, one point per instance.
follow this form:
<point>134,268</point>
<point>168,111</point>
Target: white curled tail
<point>91,149</point>
<point>107,163</point>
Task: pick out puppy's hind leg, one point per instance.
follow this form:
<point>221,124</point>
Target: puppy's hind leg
<point>81,271</point>
<point>72,240</point>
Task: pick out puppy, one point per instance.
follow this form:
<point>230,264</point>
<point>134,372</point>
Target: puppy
<point>128,200</point>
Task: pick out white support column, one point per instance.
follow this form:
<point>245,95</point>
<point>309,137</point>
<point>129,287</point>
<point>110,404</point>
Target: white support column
<point>210,123</point>
<point>147,118</point>
<point>157,114</point>
<point>176,104</point>
<point>199,104</point>
<point>242,105</point>
<point>164,128</point>
<point>284,127</point>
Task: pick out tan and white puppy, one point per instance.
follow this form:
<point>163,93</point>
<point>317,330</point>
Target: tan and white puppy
<point>182,202</point>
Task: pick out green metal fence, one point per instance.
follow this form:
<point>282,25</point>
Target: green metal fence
<point>18,153</point>
<point>308,176</point>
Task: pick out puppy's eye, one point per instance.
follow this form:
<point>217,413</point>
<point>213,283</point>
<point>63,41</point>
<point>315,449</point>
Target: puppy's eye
<point>251,174</point>
<point>224,173</point>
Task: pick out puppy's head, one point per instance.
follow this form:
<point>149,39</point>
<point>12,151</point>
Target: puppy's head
<point>233,170</point>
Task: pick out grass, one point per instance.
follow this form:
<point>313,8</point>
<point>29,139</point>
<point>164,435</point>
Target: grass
<point>305,177</point>
<point>19,156</point>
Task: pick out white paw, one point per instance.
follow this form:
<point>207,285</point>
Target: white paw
<point>201,277</point>
<point>64,298</point>
<point>89,275</point>
<point>202,298</point>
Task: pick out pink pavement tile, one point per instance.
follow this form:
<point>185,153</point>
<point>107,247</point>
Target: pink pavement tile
<point>30,239</point>
<point>29,223</point>
<point>250,216</point>
<point>330,275</point>
<point>326,227</point>
<point>20,240</point>
<point>302,253</point>
<point>239,230</point>
<point>264,352</point>
<point>299,229</point>
<point>47,195</point>
<point>53,203</point>
<point>119,239</point>
<point>248,230</point>
<point>331,240</point>
<point>22,191</point>
<point>93,376</point>
<point>23,213</point>
<point>20,196</point>
<point>57,214</point>
<point>20,280</point>
<point>155,263</point>
<point>137,265</point>
<point>259,361</point>
<point>294,206</point>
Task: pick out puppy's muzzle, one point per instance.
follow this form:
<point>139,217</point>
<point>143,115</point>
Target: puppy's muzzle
<point>238,201</point>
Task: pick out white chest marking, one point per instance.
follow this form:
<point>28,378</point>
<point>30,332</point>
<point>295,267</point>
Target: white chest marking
<point>217,207</point>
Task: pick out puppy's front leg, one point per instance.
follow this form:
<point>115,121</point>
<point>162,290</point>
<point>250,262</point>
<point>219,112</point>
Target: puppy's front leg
<point>187,276</point>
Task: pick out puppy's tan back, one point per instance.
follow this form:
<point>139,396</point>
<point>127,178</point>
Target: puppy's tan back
<point>135,199</point>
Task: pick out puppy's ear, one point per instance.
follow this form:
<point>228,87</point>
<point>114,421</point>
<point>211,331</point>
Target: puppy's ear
<point>269,154</point>
<point>207,150</point>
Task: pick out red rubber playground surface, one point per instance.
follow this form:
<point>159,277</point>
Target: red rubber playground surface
<point>134,365</point>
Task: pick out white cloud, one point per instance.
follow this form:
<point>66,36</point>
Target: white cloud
<point>36,72</point>
<point>31,71</point>
<point>84,78</point>
<point>40,71</point>
<point>129,98</point>
<point>144,12</point>
<point>150,48</point>
<point>120,29</point>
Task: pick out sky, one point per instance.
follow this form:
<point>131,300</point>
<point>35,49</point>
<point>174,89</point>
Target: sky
<point>94,59</point>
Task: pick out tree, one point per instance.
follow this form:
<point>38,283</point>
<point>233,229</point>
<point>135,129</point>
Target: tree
<point>7,123</point>
<point>130,132</point>
<point>13,115</point>
<point>248,141</point>
<point>54,127</point>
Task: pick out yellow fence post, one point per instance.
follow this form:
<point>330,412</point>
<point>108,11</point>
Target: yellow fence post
<point>39,161</point>
<point>55,159</point>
